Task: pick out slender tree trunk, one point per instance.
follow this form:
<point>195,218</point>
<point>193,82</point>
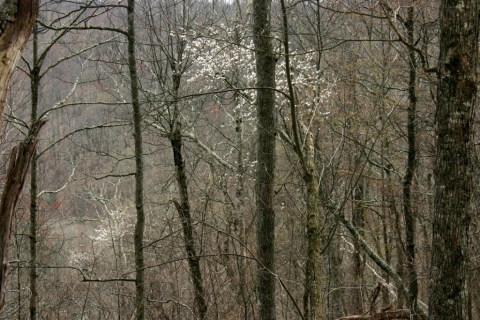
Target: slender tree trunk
<point>408,209</point>
<point>183,209</point>
<point>264,176</point>
<point>454,125</point>
<point>358,221</point>
<point>35,83</point>
<point>239,201</point>
<point>137,133</point>
<point>239,209</point>
<point>312,297</point>
<point>313,272</point>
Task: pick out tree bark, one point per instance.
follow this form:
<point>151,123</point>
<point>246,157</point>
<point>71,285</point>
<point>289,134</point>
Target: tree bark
<point>13,38</point>
<point>454,125</point>
<point>12,42</point>
<point>17,171</point>
<point>137,134</point>
<point>34,86</point>
<point>358,257</point>
<point>183,209</point>
<point>264,176</point>
<point>408,209</point>
<point>313,275</point>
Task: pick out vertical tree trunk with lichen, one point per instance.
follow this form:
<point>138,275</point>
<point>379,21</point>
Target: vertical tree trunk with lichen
<point>454,125</point>
<point>264,176</point>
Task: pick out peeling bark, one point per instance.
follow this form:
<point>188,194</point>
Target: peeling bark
<point>12,42</point>
<point>17,171</point>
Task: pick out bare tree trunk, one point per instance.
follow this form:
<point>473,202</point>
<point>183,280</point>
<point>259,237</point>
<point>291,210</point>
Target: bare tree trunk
<point>358,221</point>
<point>313,275</point>
<point>312,297</point>
<point>17,171</point>
<point>183,209</point>
<point>137,134</point>
<point>239,209</point>
<point>408,210</point>
<point>454,125</point>
<point>35,82</point>
<point>264,177</point>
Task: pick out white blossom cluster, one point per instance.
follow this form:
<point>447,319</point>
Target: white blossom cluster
<point>222,64</point>
<point>312,91</point>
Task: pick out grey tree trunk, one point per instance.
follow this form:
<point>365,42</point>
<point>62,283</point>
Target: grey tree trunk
<point>34,87</point>
<point>358,257</point>
<point>313,276</point>
<point>137,133</point>
<point>454,125</point>
<point>408,209</point>
<point>264,182</point>
<point>183,209</point>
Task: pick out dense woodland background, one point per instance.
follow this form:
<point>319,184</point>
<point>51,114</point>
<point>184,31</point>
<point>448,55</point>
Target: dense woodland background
<point>365,103</point>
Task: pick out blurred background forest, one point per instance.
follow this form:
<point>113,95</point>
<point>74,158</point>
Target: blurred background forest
<point>365,104</point>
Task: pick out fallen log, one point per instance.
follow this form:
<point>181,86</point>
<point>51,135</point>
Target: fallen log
<point>385,315</point>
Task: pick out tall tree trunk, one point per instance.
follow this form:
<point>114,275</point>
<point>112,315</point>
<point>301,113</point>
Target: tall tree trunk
<point>239,209</point>
<point>312,297</point>
<point>264,176</point>
<point>313,273</point>
<point>408,209</point>
<point>183,209</point>
<point>454,125</point>
<point>35,83</point>
<point>137,134</point>
<point>358,220</point>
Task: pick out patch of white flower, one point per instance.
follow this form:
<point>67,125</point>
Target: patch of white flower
<point>221,63</point>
